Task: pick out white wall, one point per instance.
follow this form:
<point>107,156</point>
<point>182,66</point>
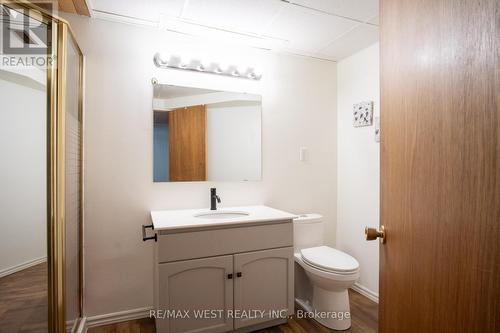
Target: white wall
<point>358,170</point>
<point>299,109</point>
<point>234,141</point>
<point>23,205</point>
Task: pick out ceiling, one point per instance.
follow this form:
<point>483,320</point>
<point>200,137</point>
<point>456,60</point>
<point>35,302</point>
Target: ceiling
<point>326,29</point>
<point>79,7</point>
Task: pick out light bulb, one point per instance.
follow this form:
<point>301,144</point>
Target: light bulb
<point>220,69</point>
<point>235,72</point>
<point>160,61</point>
<point>258,73</point>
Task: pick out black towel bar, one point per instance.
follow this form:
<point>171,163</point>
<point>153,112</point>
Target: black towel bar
<point>144,238</point>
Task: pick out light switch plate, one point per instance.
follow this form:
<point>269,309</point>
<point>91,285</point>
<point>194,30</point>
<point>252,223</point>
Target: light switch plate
<point>362,114</point>
<point>303,154</point>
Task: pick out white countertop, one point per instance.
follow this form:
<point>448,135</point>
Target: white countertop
<point>186,218</point>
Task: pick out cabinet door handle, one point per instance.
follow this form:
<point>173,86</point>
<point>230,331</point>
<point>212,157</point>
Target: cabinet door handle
<point>239,274</point>
<point>230,276</point>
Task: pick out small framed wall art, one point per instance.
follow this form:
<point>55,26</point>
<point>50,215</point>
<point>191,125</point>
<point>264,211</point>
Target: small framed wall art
<point>362,114</point>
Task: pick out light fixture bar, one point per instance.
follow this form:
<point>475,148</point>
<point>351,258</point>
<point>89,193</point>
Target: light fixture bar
<point>176,62</point>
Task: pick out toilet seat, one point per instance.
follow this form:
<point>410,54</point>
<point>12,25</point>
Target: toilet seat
<point>329,259</point>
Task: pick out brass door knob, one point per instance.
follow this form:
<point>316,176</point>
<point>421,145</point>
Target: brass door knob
<point>372,234</point>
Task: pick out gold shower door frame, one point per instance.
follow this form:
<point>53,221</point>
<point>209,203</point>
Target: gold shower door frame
<point>64,36</point>
<point>56,106</point>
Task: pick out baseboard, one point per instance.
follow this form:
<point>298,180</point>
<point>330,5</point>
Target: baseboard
<point>82,326</point>
<point>70,326</point>
<point>20,267</point>
<point>77,326</point>
<point>116,317</point>
<point>365,292</point>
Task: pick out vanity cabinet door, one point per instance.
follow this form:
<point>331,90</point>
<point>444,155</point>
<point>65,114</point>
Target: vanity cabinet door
<point>263,286</point>
<point>191,287</point>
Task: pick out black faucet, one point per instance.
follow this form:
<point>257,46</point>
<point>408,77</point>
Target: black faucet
<point>214,198</point>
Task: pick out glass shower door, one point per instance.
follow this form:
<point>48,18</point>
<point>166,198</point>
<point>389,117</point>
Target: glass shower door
<point>24,114</point>
<point>73,177</point>
<point>41,219</point>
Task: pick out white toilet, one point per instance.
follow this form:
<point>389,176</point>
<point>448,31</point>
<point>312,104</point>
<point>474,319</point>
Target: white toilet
<point>322,274</point>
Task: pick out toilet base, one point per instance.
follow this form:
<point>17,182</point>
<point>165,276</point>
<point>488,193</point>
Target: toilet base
<point>332,308</point>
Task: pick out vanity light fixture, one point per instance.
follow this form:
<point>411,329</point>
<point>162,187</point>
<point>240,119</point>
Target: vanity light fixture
<point>176,62</point>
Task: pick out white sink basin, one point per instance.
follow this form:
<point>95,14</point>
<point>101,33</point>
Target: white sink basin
<point>169,220</point>
<point>221,215</point>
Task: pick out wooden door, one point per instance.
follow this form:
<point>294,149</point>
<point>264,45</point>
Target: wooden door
<point>440,166</point>
<point>264,282</point>
<point>194,286</point>
<point>187,128</point>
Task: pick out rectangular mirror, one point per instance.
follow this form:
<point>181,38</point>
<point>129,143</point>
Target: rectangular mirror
<point>206,135</point>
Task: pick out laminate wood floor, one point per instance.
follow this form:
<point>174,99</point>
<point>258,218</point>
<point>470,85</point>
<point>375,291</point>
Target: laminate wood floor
<point>364,314</point>
<point>23,301</point>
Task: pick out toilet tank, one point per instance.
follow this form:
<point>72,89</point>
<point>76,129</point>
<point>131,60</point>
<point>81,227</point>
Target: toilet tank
<point>307,231</point>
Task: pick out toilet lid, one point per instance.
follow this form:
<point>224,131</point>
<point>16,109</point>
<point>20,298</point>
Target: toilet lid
<point>327,258</point>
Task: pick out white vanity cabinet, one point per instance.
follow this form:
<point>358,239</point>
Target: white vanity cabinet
<point>224,278</point>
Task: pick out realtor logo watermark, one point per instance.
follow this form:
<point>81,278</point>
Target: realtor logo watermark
<point>244,314</point>
<point>25,40</point>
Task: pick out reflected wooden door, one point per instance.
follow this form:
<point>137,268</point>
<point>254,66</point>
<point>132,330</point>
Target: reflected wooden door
<point>188,143</point>
<point>440,179</point>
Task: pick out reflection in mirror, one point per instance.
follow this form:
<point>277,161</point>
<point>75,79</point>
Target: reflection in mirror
<point>202,134</point>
